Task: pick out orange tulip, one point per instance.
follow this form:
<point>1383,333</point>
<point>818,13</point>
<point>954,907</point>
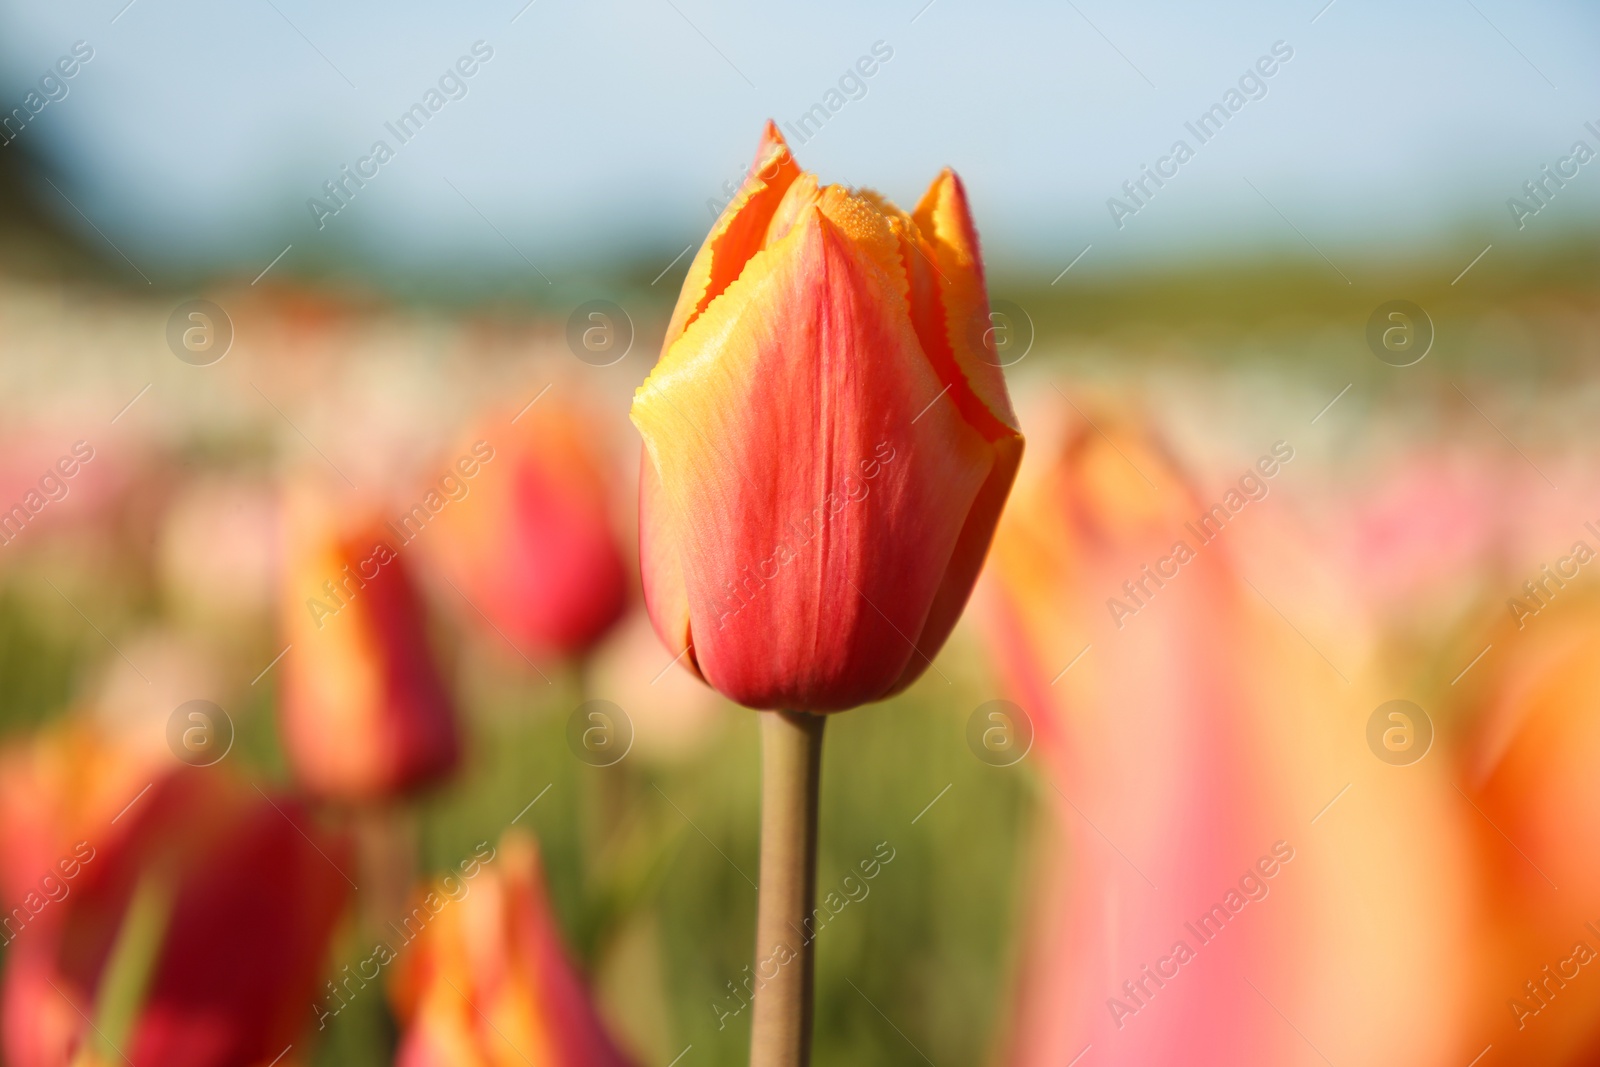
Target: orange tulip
<point>1530,771</point>
<point>530,540</point>
<point>191,933</point>
<point>487,982</point>
<point>828,441</point>
<point>364,712</point>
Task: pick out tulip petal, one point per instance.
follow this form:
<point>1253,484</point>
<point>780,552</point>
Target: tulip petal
<point>972,548</point>
<point>490,981</point>
<point>949,308</point>
<point>797,200</point>
<point>738,233</point>
<point>945,223</point>
<point>862,217</point>
<point>665,597</point>
<point>799,430</point>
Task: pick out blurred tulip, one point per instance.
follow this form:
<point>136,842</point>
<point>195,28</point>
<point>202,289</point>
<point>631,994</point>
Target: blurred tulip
<point>488,983</point>
<point>365,713</point>
<point>828,441</point>
<point>190,935</point>
<point>61,786</point>
<point>1530,772</point>
<point>527,534</point>
<point>1192,897</point>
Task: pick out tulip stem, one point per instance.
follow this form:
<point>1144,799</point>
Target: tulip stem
<point>386,856</point>
<point>791,762</point>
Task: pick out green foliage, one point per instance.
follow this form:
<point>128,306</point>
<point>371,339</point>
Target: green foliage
<point>924,951</point>
<point>38,665</point>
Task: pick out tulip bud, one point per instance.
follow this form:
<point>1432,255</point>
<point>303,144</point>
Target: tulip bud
<point>828,441</point>
<point>194,938</point>
<point>487,970</point>
<point>365,714</point>
<point>527,534</point>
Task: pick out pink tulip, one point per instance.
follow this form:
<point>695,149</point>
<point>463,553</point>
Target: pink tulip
<point>1189,910</point>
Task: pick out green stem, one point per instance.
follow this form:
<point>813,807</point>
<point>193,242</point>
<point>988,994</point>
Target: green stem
<point>791,761</point>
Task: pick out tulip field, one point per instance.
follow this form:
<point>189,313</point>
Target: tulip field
<point>705,535</point>
<point>336,729</point>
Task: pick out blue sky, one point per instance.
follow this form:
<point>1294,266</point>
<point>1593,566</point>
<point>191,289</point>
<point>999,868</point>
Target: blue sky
<point>199,131</point>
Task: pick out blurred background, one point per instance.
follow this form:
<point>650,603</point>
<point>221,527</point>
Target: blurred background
<point>318,494</point>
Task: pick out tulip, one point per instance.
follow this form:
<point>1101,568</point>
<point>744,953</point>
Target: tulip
<point>1529,772</point>
<point>530,540</point>
<point>828,444</point>
<point>61,786</point>
<point>487,981</point>
<point>1191,751</point>
<point>365,714</point>
<point>192,935</point>
<point>827,441</point>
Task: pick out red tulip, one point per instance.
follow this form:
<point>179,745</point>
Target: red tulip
<point>528,536</point>
<point>487,982</point>
<point>364,711</point>
<point>237,895</point>
<point>827,441</point>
